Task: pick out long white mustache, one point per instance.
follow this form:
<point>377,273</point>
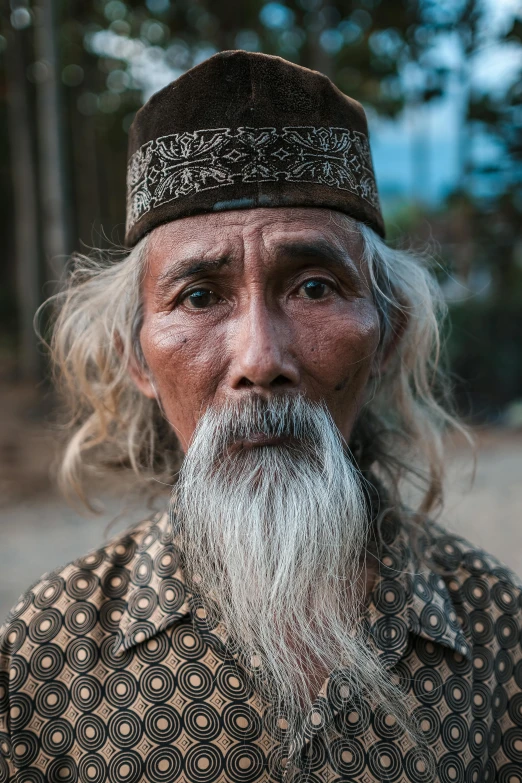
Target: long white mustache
<point>274,538</point>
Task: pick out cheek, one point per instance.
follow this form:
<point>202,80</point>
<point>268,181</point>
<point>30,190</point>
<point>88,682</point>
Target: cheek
<point>186,366</point>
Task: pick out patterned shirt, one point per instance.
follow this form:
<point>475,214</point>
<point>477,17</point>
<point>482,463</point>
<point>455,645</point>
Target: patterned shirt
<point>110,671</point>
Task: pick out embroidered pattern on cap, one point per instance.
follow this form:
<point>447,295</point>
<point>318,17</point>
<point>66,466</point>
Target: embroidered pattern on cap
<point>181,164</point>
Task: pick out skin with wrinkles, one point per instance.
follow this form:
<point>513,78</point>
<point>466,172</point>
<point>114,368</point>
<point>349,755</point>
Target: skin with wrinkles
<point>282,307</point>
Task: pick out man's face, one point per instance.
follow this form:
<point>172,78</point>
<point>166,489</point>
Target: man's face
<point>259,301</point>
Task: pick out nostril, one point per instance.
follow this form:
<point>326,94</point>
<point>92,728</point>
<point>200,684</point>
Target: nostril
<point>244,383</point>
<point>281,380</point>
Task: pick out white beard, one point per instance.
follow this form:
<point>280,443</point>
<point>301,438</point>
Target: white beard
<point>275,536</point>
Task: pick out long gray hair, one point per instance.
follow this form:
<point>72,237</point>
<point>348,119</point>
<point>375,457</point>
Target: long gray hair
<point>97,322</point>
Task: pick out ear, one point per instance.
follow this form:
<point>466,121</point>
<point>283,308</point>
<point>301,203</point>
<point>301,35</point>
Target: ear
<point>141,379</point>
<point>399,325</point>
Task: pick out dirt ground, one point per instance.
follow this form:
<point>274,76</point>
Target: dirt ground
<point>39,531</point>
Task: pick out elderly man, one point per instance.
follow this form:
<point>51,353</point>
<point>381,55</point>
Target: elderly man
<point>265,354</point>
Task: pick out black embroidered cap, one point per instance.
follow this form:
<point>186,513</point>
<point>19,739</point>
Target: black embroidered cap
<point>245,130</point>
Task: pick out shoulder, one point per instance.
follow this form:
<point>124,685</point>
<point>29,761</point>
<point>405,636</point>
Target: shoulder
<point>86,598</point>
<point>486,594</point>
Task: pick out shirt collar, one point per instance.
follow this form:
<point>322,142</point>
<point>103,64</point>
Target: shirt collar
<point>409,596</point>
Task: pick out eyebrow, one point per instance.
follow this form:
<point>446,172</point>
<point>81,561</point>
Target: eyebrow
<point>184,270</point>
<point>320,250</point>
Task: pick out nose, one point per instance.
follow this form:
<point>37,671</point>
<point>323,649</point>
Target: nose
<point>261,349</point>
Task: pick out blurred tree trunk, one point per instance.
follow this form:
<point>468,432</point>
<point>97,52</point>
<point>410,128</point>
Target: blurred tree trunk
<point>23,168</point>
<point>50,132</point>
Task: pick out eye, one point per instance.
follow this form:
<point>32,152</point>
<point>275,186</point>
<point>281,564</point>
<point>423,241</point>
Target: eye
<point>315,289</point>
<point>199,299</point>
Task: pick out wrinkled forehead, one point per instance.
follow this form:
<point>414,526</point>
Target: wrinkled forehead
<point>260,231</point>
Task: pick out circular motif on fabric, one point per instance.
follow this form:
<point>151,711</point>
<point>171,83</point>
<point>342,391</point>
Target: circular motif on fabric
<point>428,721</point>
<point>203,763</point>
<point>384,761</point>
<point>126,767</point>
<point>195,680</point>
<point>480,700</point>
<point>125,729</point>
<point>510,773</point>
<point>91,561</point>
<point>476,592</point>
<point>162,724</point>
<point>24,603</point>
<point>390,633</point>
<point>499,702</point>
<point>151,537</point>
<point>494,738</point>
<point>457,662</point>
<point>481,627</point>
<point>82,654</point>
<point>232,682</point>
<point>52,699</point>
<point>347,757</point>
<point>448,553</point>
<point>92,769</point>
<point>515,709</point>
<point>242,722</point>
<point>390,597</point>
<point>451,769</point>
<point>507,631</point>
<point>186,643</point>
<point>142,603</point>
<point>142,570</point>
<point>457,692</point>
<point>276,724</point>
<point>433,617</point>
<point>86,693</point>
<point>124,551</point>
<point>157,683</point>
<point>478,737</point>
<point>45,625</point>
<point>474,771</point>
<point>166,562</point>
<point>30,775</point>
<point>313,755</point>
<point>108,657</point>
<point>428,652</point>
<point>202,722</point>
<point>354,720</point>
<point>153,650</point>
<point>18,673</point>
<point>427,685</point>
<point>454,732</point>
<point>385,725</point>
<point>163,765</point>
<point>422,588</point>
<point>25,748</point>
<point>15,637</point>
<point>490,772</point>
<point>512,745</point>
<point>140,631</point>
<point>505,598</point>
<point>81,585</point>
<point>21,711</point>
<point>49,593</point>
<point>115,582</point>
<point>80,617</point>
<point>121,689</point>
<point>483,663</point>
<point>62,770</point>
<point>171,595</point>
<point>57,737</point>
<point>244,764</point>
<point>111,613</point>
<point>47,662</point>
<point>503,666</point>
<point>90,732</point>
<point>419,765</point>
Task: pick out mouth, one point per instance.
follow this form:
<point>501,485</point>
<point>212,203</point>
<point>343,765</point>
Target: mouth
<point>261,439</point>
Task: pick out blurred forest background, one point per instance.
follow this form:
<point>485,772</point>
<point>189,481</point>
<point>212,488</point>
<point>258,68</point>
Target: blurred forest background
<point>441,83</point>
